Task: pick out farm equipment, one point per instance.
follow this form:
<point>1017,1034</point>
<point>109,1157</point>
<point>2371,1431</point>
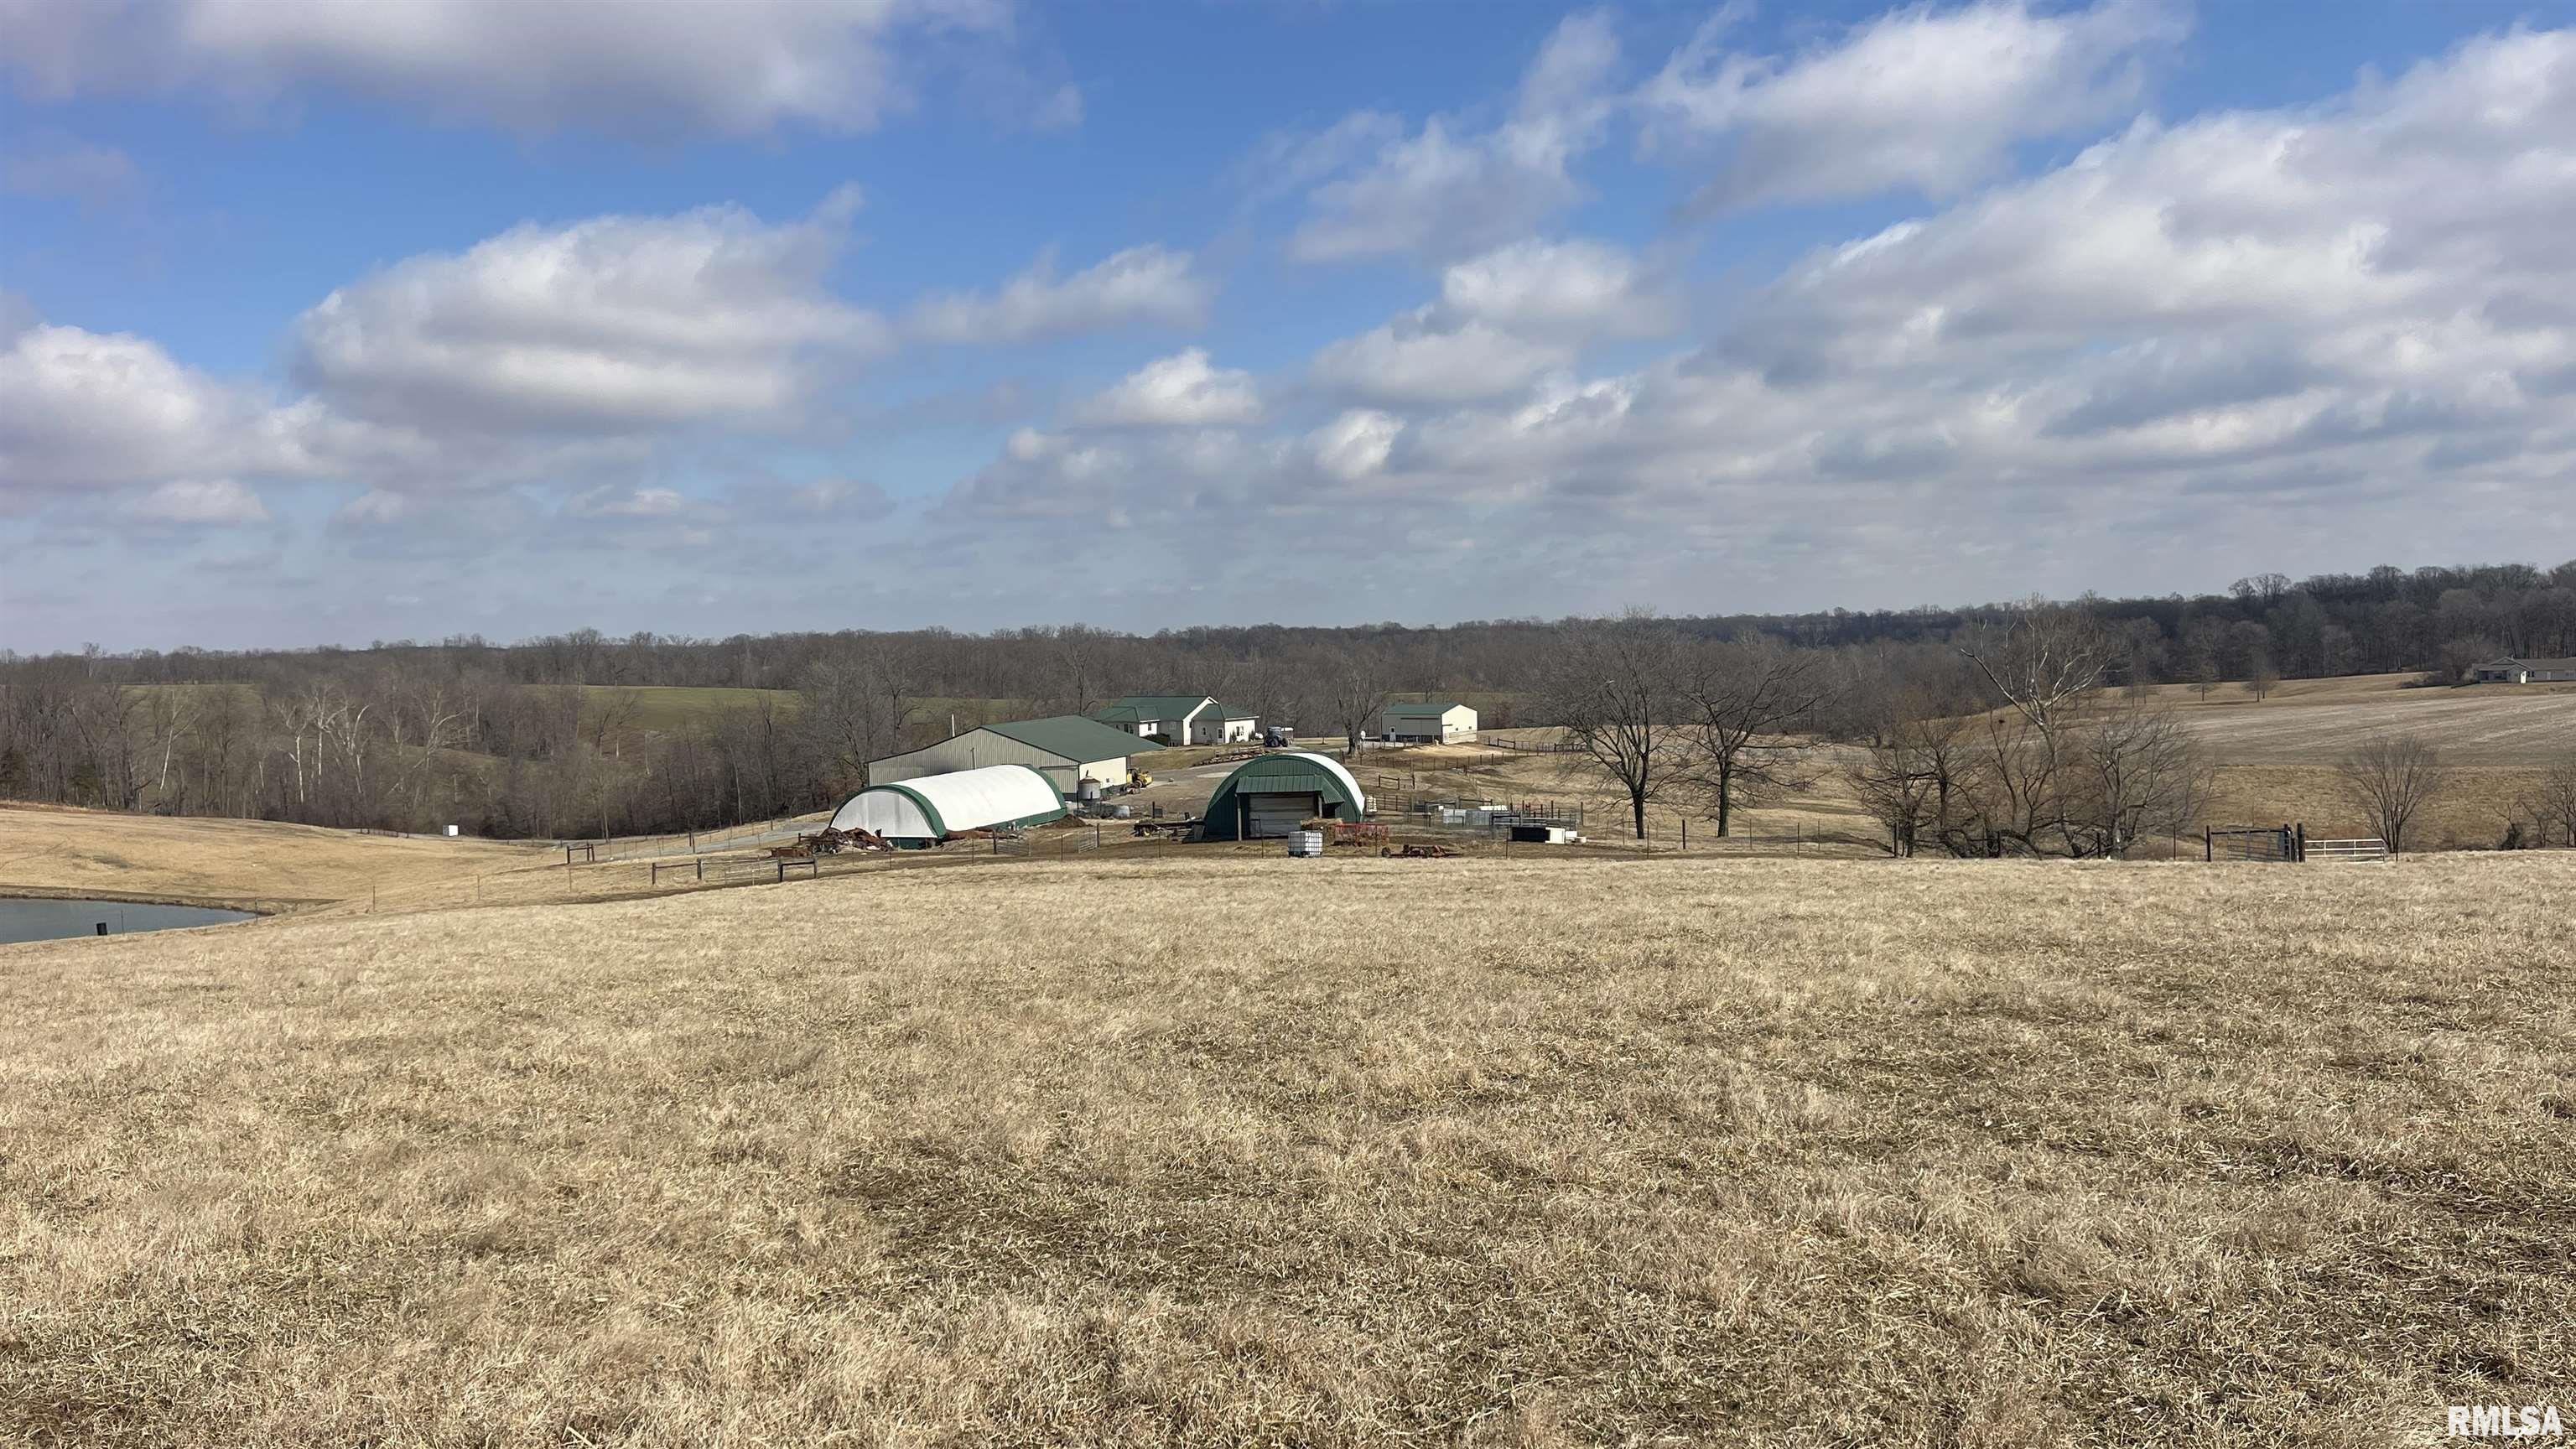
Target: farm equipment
<point>1415,850</point>
<point>1166,829</point>
<point>1138,779</point>
<point>832,842</point>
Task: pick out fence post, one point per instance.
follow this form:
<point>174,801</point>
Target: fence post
<point>702,868</point>
<point>1685,832</point>
<point>2299,843</point>
<point>2207,847</point>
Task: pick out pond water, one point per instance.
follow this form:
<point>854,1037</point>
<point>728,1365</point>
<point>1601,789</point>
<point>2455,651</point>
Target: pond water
<point>34,920</point>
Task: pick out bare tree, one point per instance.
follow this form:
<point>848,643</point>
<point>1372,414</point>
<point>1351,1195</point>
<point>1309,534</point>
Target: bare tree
<point>2262,678</point>
<point>2137,774</point>
<point>1082,660</point>
<point>2389,781</point>
<point>2551,803</point>
<point>2204,675</point>
<point>1744,700</point>
<point>857,707</point>
<point>169,714</point>
<point>1353,691</point>
<point>2043,660</point>
<point>1615,688</point>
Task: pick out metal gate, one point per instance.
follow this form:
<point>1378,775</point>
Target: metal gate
<point>2253,842</point>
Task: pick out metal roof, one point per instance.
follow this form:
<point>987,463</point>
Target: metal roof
<point>2553,665</point>
<point>1072,737</point>
<point>1429,711</point>
<point>1150,706</point>
<point>1284,772</point>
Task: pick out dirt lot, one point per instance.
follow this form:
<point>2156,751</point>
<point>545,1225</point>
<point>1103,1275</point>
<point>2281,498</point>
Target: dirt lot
<point>1754,1153</point>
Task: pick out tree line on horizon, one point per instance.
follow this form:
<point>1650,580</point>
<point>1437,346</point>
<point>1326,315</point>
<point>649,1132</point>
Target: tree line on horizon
<point>497,738</point>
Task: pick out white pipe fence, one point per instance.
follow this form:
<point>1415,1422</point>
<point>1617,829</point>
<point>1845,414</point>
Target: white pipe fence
<point>2368,849</point>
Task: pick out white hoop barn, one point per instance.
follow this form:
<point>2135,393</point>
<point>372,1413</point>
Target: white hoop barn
<point>934,807</point>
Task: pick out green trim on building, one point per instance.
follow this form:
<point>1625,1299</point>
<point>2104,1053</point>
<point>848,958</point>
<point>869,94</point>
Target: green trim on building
<point>929,812</point>
<point>1281,774</point>
<point>1173,707</point>
<point>1061,809</point>
<point>1076,739</point>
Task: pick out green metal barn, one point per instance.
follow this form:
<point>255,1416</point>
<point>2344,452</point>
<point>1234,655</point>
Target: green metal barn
<point>1271,796</point>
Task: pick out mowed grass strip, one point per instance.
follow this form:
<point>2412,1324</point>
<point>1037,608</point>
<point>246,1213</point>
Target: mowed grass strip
<point>1751,1152</point>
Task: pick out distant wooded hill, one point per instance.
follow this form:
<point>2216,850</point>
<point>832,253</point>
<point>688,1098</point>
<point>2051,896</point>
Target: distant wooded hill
<point>588,733</point>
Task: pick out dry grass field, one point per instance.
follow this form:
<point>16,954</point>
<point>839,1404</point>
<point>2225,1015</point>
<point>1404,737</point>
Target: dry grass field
<point>2276,755</point>
<point>2275,760</point>
<point>48,850</point>
<point>2485,725</point>
<point>1378,1152</point>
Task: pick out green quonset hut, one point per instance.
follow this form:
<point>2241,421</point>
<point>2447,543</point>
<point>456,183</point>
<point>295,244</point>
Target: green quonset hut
<point>1272,795</point>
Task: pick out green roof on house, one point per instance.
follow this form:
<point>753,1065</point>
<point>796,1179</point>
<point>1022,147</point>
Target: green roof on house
<point>1149,706</point>
<point>1416,710</point>
<point>1069,736</point>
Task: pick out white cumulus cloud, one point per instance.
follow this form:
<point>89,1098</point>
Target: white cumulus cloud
<point>87,410</point>
<point>1147,286</point>
<point>212,501</point>
<point>617,322</point>
<point>1576,288</point>
<point>1417,359</point>
<point>1452,187</point>
<point>661,67</point>
<point>1180,391</point>
<point>1923,98</point>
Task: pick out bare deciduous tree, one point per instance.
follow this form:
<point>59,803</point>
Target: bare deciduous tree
<point>2138,774</point>
<point>1614,688</point>
<point>2551,804</point>
<point>2389,781</point>
<point>1353,692</point>
<point>2263,678</point>
<point>2043,660</point>
<point>856,706</point>
<point>1912,775</point>
<point>1745,700</point>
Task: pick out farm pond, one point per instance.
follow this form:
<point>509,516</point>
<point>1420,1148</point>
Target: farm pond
<point>46,920</point>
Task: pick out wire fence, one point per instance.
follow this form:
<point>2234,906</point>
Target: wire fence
<point>1529,747</point>
<point>691,842</point>
<point>779,866</point>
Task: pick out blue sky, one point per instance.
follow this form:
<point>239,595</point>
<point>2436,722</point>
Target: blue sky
<point>339,324</point>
